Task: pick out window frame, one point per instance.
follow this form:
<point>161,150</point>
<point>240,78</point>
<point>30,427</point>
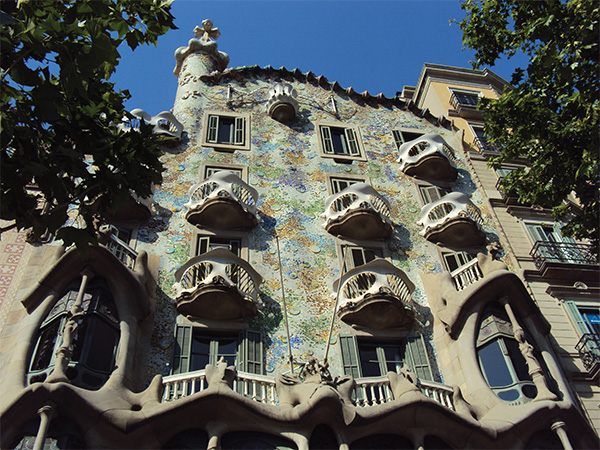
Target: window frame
<point>455,90</point>
<point>354,130</point>
<point>342,244</point>
<point>399,140</point>
<point>421,187</point>
<point>335,176</point>
<point>226,146</point>
<point>243,169</point>
<point>461,253</point>
<point>481,143</point>
<point>197,234</point>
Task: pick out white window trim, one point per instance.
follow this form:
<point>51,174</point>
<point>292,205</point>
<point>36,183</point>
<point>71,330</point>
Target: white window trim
<point>478,93</point>
<point>407,130</point>
<point>224,166</point>
<point>226,146</point>
<point>419,185</point>
<point>343,176</point>
<point>359,141</point>
<point>244,252</point>
<point>341,243</point>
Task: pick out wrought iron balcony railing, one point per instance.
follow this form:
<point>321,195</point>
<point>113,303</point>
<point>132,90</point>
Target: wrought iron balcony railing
<point>562,252</point>
<point>589,351</point>
<point>370,391</point>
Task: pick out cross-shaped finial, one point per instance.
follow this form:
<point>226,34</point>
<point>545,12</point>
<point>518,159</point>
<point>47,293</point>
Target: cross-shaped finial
<point>207,31</point>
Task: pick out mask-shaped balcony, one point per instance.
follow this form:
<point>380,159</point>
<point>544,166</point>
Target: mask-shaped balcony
<point>428,157</point>
<point>165,124</point>
<point>222,201</point>
<point>376,295</point>
<point>452,220</point>
<point>358,212</point>
<point>217,285</point>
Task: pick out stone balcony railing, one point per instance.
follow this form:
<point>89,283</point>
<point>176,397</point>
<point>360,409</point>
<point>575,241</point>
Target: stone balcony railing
<point>376,295</point>
<point>428,156</point>
<point>217,285</point>
<point>369,391</point>
<point>467,275</point>
<point>165,123</point>
<point>223,201</point>
<point>452,220</point>
<point>358,212</point>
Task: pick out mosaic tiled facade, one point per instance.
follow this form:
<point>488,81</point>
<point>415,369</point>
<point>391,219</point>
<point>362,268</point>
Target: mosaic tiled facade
<point>406,301</point>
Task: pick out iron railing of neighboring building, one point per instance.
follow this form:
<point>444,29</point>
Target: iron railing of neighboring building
<point>589,350</point>
<point>562,252</point>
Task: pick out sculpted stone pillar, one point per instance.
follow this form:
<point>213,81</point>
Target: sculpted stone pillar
<point>527,350</point>
<point>560,428</point>
<point>69,332</point>
<point>47,413</point>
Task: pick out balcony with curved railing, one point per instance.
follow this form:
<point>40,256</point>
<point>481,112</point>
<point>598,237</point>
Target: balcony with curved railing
<point>165,124</point>
<point>376,295</point>
<point>217,285</point>
<point>428,157</point>
<point>358,212</point>
<point>452,220</point>
<point>222,201</point>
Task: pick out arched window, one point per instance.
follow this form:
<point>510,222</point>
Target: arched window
<point>95,341</point>
<point>500,358</point>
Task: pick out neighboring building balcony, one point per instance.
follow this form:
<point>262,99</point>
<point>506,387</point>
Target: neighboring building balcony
<point>589,352</point>
<point>465,106</point>
<point>466,275</point>
<point>565,259</point>
<point>452,220</point>
<point>368,392</point>
<point>217,285</point>
<point>428,157</point>
<point>358,212</point>
<point>165,124</point>
<point>509,197</point>
<point>376,295</point>
<point>222,201</point>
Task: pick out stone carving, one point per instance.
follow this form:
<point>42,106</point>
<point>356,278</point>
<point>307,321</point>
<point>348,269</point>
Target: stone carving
<point>205,45</point>
<point>282,105</point>
<point>220,375</point>
<point>428,156</point>
<point>403,382</point>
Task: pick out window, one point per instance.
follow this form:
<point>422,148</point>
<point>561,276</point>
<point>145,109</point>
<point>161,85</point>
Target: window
<point>195,348</point>
<point>239,171</point>
<point>358,256</point>
<point>95,343</point>
<point>403,136</point>
<point>454,260</point>
<point>586,316</point>
<point>340,141</point>
<point>338,184</point>
<point>501,361</point>
<point>207,243</point>
<point>228,131</point>
<point>464,98</point>
<point>481,140</point>
<point>551,246</point>
<point>430,193</point>
<point>368,358</point>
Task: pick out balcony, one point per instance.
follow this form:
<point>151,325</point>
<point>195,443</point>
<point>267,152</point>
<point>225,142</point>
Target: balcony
<point>261,389</point>
<point>565,259</point>
<point>377,296</point>
<point>465,105</point>
<point>217,285</point>
<point>165,124</point>
<point>589,352</point>
<point>358,212</point>
<point>452,220</point>
<point>222,201</point>
<point>428,157</point>
<point>466,275</point>
<point>121,250</point>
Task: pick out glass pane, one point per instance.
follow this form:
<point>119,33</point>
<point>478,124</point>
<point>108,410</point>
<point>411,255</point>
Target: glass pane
<point>339,141</point>
<point>227,349</point>
<point>529,391</point>
<point>394,358</point>
<point>410,135</point>
<point>493,364</point>
<point>509,396</point>
<point>226,129</point>
<point>199,357</point>
<point>368,360</point>
<point>43,354</point>
<point>591,317</point>
<point>518,360</point>
<point>102,344</point>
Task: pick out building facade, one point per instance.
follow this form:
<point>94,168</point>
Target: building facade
<point>320,268</point>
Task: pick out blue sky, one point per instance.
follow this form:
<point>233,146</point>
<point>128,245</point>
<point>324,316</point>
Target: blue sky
<point>378,46</point>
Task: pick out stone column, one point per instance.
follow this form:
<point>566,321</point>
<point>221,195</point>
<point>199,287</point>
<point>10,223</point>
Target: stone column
<point>65,351</point>
<point>47,413</point>
<point>560,428</point>
<point>527,350</point>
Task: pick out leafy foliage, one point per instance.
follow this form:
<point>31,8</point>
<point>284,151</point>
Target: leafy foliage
<point>551,116</point>
<point>61,149</point>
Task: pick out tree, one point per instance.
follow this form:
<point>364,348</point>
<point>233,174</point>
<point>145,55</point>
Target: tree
<point>551,115</point>
<point>59,113</point>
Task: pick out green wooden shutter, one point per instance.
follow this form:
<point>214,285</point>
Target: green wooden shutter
<point>250,352</point>
<point>416,357</point>
<point>213,129</point>
<point>353,148</point>
<point>182,349</point>
<point>576,316</point>
<point>240,131</point>
<point>350,359</point>
<point>326,139</point>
